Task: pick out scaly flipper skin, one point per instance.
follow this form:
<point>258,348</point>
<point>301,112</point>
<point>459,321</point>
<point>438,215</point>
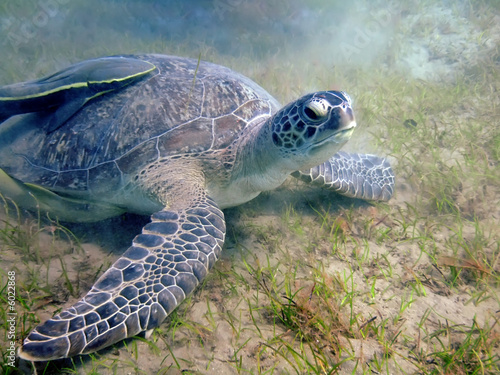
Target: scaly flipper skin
<point>164,265</point>
<point>361,176</point>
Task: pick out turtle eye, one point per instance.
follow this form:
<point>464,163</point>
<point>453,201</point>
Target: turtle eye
<point>315,110</point>
<point>310,113</point>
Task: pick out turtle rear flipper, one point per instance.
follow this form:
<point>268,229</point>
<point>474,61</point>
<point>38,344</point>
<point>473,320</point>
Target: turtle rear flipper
<point>164,264</point>
<point>360,176</point>
<point>38,198</point>
<point>66,91</point>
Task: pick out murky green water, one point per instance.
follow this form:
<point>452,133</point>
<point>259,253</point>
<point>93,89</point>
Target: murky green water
<point>424,80</point>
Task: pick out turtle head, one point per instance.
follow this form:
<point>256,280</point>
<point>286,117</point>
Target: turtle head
<point>313,128</point>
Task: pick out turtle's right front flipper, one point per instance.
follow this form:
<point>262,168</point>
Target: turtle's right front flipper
<point>65,92</point>
<point>163,265</point>
<point>361,176</point>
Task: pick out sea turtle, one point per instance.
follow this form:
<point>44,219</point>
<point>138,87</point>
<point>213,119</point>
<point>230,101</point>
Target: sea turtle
<point>174,138</point>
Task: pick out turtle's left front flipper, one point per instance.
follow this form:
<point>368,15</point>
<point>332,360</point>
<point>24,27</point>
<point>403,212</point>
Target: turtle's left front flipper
<point>163,265</point>
<point>62,94</point>
<point>360,176</point>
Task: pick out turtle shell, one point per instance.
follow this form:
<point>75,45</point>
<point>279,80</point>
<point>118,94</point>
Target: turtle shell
<point>182,107</point>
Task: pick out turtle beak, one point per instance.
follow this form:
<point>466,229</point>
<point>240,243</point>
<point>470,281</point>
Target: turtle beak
<point>347,118</point>
<point>339,128</point>
<point>347,121</point>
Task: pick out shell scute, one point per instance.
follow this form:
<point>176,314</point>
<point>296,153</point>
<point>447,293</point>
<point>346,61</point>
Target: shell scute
<point>199,132</point>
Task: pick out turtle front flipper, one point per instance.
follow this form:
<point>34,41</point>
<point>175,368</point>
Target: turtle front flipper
<point>163,265</point>
<point>360,176</point>
<point>62,94</point>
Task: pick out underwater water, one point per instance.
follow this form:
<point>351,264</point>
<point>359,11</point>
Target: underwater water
<point>308,282</point>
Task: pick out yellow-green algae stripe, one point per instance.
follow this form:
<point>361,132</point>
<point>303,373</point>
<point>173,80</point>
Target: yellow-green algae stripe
<point>80,79</point>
